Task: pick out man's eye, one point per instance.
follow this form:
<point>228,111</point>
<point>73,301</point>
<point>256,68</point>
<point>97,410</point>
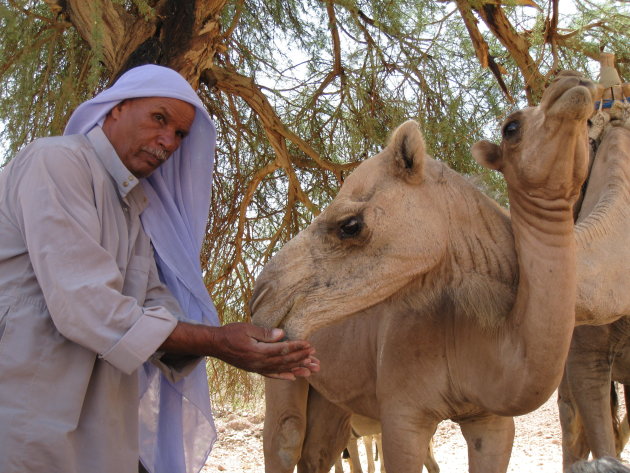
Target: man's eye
<point>159,117</point>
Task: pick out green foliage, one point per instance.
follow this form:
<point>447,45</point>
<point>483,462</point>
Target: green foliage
<point>46,70</point>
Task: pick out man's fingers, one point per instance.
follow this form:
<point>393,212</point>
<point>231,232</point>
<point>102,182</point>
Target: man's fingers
<point>289,348</point>
<point>303,367</point>
<point>313,365</point>
<point>298,358</point>
<point>297,372</point>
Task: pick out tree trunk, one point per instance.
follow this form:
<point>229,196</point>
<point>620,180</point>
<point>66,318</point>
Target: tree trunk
<point>181,34</point>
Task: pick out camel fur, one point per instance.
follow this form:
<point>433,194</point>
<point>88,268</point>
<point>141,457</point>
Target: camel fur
<point>465,313</point>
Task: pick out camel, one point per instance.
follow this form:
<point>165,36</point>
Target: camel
<point>601,354</point>
<point>602,229</point>
<point>479,305</point>
<point>369,431</point>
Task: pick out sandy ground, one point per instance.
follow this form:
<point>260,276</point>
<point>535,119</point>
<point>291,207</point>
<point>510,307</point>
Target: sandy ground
<point>537,446</point>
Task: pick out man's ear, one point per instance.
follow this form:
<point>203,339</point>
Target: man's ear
<point>115,111</point>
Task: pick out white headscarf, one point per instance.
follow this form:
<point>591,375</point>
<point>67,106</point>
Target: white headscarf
<point>176,426</point>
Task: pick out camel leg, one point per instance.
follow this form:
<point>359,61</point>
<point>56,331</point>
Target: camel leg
<point>379,450</point>
<point>368,442</point>
<point>588,373</point>
<point>574,444</point>
<point>405,441</point>
<point>327,434</point>
<point>622,432</point>
<point>430,463</point>
<point>489,440</point>
<point>285,423</point>
<point>353,451</point>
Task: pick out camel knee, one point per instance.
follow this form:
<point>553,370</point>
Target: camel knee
<point>282,444</point>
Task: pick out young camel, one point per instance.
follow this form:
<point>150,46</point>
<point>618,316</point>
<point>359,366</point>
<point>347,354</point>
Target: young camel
<point>469,312</point>
<point>369,430</point>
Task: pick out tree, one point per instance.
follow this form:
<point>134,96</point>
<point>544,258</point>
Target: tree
<point>300,90</point>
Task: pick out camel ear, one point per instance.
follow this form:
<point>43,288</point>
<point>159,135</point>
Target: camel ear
<point>407,146</point>
<point>488,155</point>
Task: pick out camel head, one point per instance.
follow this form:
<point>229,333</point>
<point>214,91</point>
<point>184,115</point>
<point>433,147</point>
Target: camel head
<point>386,228</point>
<point>552,138</point>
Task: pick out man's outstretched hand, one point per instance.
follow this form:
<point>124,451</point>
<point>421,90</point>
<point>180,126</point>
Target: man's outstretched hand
<point>246,346</point>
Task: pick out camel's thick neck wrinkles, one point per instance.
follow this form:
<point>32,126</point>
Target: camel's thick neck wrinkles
<point>542,311</point>
<point>544,158</point>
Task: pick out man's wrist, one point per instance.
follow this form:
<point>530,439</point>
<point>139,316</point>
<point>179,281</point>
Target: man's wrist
<point>191,340</point>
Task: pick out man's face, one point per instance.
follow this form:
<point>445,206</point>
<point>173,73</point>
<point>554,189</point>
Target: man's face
<point>146,131</point>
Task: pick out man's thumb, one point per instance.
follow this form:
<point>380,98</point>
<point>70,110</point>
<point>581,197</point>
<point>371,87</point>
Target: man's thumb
<point>272,335</point>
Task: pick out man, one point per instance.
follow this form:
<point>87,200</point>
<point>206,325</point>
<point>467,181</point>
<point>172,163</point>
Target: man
<point>100,233</point>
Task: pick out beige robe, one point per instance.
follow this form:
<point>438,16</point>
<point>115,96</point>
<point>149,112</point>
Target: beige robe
<point>81,308</point>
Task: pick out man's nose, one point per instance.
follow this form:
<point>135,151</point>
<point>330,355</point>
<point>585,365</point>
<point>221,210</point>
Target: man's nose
<point>169,141</point>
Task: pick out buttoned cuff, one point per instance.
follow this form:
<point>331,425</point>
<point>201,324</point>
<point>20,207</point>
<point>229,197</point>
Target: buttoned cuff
<point>142,340</point>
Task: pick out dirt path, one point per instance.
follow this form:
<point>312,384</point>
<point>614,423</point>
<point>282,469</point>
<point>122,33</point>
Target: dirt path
<point>537,446</point>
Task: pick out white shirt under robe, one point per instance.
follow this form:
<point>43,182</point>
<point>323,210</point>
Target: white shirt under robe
<point>81,308</point>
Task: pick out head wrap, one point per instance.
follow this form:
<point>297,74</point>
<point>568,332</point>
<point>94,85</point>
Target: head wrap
<point>176,426</point>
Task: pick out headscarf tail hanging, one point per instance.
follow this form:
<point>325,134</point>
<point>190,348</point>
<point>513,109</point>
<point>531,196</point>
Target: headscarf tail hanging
<point>176,425</point>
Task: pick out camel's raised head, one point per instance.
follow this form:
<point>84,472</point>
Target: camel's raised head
<point>383,230</point>
<point>544,151</point>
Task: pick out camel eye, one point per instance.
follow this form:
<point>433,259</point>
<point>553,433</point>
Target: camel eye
<point>511,129</point>
<point>350,227</point>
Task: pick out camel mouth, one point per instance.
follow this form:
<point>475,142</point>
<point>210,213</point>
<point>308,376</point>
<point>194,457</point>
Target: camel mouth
<point>570,97</point>
<point>266,317</point>
<point>576,103</point>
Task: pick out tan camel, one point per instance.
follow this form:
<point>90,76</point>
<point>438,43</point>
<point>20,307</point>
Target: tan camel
<point>601,354</point>
<point>369,431</point>
<point>470,313</point>
<point>602,229</point>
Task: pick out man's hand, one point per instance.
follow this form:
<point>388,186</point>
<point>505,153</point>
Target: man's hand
<point>245,346</point>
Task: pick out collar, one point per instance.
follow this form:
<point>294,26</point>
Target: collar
<point>125,181</point>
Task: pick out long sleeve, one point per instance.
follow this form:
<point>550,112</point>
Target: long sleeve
<point>82,253</point>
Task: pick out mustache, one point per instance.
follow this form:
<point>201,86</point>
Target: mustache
<point>160,154</point>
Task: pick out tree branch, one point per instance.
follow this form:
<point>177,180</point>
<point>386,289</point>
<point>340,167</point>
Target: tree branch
<point>244,87</point>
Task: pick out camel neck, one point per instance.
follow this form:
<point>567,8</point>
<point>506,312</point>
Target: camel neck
<point>544,304</point>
